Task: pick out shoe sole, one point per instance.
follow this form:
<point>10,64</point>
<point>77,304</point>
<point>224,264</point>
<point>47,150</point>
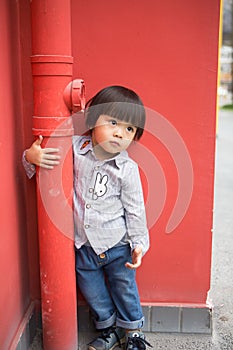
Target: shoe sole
<point>122,341</point>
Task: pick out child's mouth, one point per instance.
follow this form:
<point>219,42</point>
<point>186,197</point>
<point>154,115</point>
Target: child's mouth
<point>114,144</point>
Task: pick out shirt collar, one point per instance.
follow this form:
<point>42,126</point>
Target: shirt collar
<point>87,146</point>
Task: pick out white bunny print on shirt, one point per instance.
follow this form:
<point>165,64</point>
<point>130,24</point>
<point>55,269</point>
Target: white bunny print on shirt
<point>100,186</point>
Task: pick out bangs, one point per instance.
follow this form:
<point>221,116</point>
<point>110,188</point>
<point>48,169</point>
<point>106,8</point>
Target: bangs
<point>128,112</point>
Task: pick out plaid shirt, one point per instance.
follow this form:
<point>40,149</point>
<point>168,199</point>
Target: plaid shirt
<point>108,199</point>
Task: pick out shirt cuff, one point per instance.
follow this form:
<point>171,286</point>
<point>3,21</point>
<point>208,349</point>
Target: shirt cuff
<point>29,168</point>
<point>143,243</point>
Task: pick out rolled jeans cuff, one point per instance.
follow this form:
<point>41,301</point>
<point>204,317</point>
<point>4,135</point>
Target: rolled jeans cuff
<point>107,323</point>
<point>130,324</point>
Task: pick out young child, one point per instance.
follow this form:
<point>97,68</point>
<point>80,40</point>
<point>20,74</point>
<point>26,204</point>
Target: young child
<point>111,234</point>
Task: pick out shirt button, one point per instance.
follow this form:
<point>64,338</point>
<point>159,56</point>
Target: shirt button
<point>97,167</point>
<point>91,190</point>
<point>88,206</point>
<point>87,226</point>
<point>102,256</point>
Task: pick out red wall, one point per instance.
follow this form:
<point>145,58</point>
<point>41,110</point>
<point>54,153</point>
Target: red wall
<point>167,51</point>
<point>19,276</point>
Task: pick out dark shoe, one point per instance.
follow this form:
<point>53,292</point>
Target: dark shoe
<point>135,340</point>
<point>108,339</point>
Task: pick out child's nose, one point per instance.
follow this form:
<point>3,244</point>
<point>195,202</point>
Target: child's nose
<point>118,133</point>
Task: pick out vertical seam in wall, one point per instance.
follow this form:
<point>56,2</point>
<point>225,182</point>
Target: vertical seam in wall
<point>150,318</point>
<point>181,319</point>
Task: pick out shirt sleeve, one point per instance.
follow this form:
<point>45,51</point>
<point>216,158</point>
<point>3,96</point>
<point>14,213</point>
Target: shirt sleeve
<point>134,208</point>
<point>29,168</point>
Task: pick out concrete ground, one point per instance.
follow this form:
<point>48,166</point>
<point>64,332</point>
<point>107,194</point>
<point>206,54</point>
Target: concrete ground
<point>221,292</point>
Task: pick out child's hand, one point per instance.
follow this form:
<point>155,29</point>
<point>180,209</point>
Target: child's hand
<point>42,156</point>
<point>136,259</point>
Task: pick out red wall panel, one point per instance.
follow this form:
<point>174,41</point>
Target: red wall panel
<point>167,51</point>
<point>19,264</point>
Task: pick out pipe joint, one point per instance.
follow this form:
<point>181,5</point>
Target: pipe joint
<point>52,126</point>
<point>51,65</point>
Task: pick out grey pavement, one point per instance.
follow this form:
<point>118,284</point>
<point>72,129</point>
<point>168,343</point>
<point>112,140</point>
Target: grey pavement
<point>221,292</point>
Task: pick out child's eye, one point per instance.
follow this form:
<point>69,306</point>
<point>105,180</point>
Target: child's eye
<point>130,129</point>
<point>113,122</point>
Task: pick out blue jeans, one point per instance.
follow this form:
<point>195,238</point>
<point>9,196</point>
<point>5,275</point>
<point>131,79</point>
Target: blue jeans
<point>109,287</point>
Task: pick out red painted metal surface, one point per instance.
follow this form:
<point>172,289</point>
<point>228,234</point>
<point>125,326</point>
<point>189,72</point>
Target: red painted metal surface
<point>52,71</point>
<point>167,51</point>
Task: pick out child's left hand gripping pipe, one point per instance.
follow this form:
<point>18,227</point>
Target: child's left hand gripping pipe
<point>42,157</point>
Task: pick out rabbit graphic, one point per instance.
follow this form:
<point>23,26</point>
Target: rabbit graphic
<point>100,186</point>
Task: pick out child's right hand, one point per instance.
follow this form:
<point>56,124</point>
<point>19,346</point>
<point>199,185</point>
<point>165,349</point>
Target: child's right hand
<point>42,156</point>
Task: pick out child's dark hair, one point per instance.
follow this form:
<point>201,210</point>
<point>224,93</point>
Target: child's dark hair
<point>118,102</point>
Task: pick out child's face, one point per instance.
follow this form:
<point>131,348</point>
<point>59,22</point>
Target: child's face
<point>111,136</point>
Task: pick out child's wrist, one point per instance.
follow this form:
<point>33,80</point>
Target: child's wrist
<point>26,156</point>
<point>29,167</point>
<point>136,245</point>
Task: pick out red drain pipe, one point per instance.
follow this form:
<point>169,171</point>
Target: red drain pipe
<point>52,65</point>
